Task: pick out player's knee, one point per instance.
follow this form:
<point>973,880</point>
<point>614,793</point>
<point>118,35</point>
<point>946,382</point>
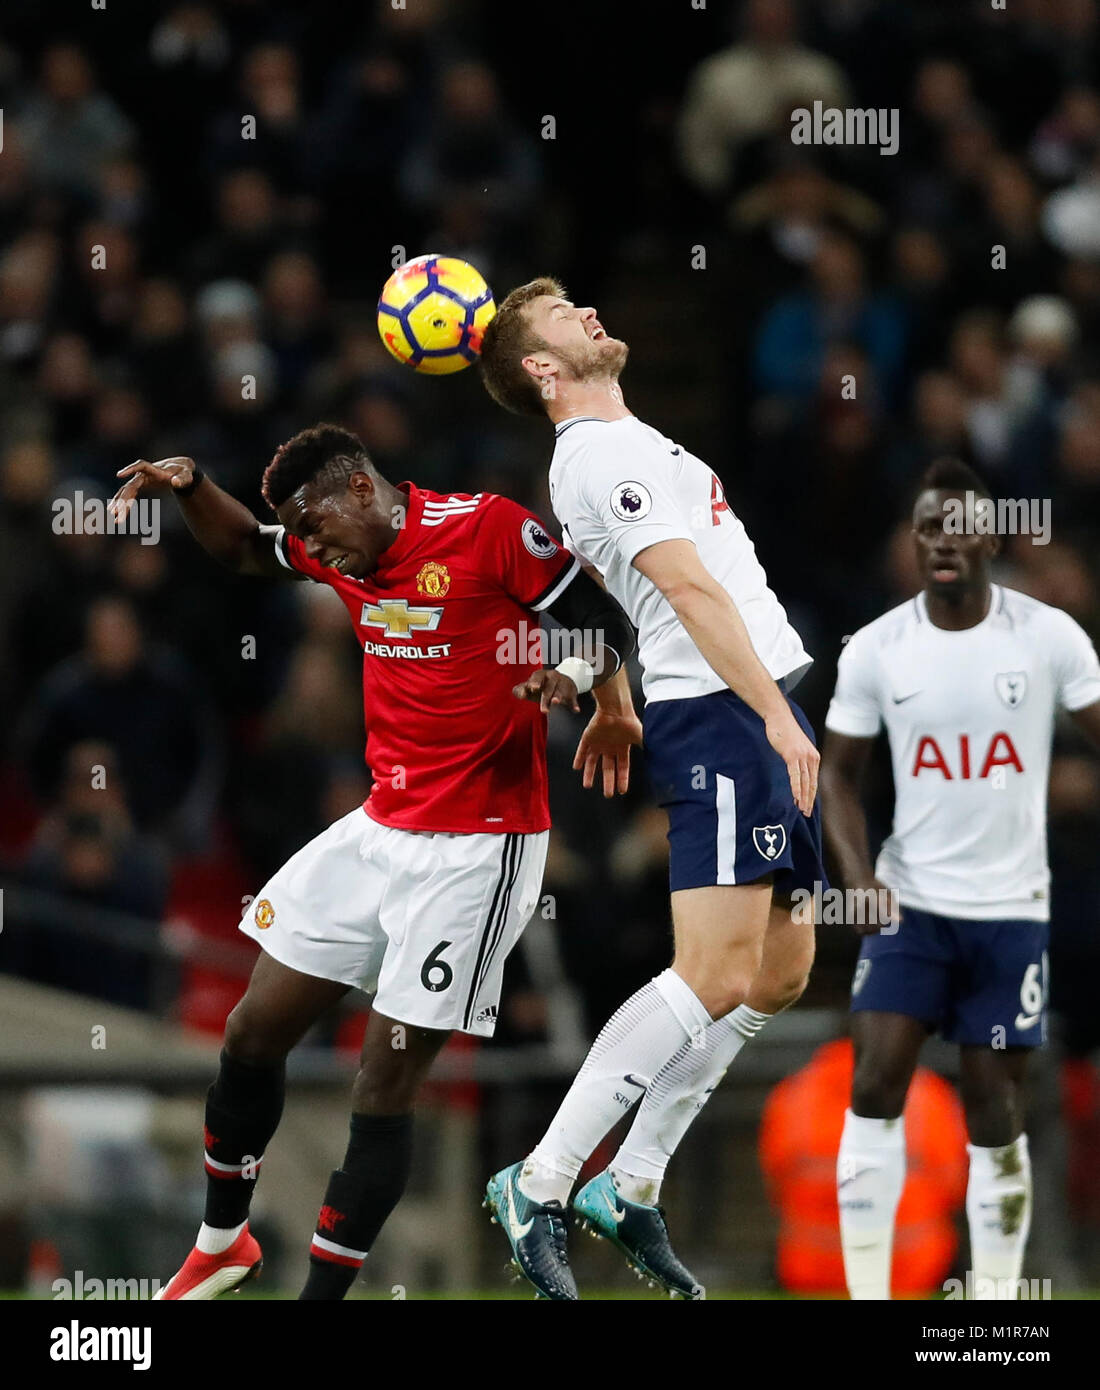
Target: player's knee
<point>249,1038</point>
<point>992,1117</point>
<point>790,991</point>
<point>390,1094</point>
<point>878,1095</point>
<point>770,996</point>
<point>877,1102</point>
<point>724,995</point>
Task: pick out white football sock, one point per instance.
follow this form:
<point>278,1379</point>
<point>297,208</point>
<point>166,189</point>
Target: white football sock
<point>870,1174</point>
<point>212,1240</point>
<point>998,1210</point>
<point>678,1092</point>
<point>633,1046</point>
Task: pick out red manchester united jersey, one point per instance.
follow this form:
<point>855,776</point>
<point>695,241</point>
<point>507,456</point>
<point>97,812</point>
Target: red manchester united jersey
<point>447,625</point>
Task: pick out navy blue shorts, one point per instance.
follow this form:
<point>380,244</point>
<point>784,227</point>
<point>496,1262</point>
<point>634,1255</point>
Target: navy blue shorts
<point>732,817</point>
<point>983,984</point>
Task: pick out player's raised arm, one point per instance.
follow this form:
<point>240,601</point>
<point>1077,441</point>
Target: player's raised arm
<point>603,638</point>
<point>541,575</point>
<point>713,623</point>
<point>224,527</point>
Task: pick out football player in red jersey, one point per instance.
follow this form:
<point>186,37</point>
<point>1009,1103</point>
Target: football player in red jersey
<point>418,895</point>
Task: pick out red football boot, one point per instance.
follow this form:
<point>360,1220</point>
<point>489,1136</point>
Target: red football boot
<point>207,1276</point>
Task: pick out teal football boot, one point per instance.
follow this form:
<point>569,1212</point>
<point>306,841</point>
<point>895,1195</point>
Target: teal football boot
<point>639,1232</point>
<point>536,1232</point>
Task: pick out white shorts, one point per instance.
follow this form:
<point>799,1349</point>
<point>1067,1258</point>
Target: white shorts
<point>420,919</point>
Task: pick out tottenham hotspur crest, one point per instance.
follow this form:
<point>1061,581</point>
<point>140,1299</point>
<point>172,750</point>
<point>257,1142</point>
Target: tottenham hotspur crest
<point>770,840</point>
<point>1011,686</point>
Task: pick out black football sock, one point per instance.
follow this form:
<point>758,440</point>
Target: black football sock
<point>243,1109</point>
<point>359,1198</point>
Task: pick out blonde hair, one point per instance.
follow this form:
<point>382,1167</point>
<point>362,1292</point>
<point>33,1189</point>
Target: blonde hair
<point>507,340</point>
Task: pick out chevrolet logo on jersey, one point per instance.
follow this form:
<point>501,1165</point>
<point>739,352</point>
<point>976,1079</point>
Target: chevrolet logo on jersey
<point>397,619</point>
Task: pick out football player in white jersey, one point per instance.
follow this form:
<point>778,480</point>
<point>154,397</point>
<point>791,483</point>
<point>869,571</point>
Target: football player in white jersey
<point>967,679</point>
<point>733,759</point>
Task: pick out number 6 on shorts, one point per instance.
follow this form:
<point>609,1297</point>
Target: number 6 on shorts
<point>436,974</point>
<point>1031,990</point>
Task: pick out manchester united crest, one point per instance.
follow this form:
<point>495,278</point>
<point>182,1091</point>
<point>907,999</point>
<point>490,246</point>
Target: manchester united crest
<point>434,580</point>
<point>265,913</point>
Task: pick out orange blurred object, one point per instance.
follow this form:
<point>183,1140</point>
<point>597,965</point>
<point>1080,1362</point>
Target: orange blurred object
<point>799,1140</point>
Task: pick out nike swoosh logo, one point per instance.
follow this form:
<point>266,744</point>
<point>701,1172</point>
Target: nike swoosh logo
<point>1027,1020</point>
<point>617,1215</point>
<point>516,1228</point>
<point>845,1181</point>
<point>632,1080</point>
<point>901,699</point>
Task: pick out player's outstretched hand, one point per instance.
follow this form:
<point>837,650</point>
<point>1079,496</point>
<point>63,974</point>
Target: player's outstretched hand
<point>802,759</point>
<point>548,687</point>
<point>143,476</point>
<point>605,745</point>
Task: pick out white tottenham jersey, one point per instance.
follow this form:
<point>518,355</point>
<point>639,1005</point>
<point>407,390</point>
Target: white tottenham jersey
<point>618,486</point>
<point>969,716</point>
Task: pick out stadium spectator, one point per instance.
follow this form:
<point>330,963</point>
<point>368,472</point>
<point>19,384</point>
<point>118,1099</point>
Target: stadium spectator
<point>66,382</point>
<point>311,732</point>
<point>473,175</point>
<point>69,127</point>
<point>190,35</point>
<point>86,849</point>
<point>163,351</point>
<point>141,702</point>
<point>105,258</point>
<point>264,127</point>
<point>28,279</point>
<point>746,91</point>
<point>249,229</point>
<point>780,224</point>
<point>297,326</point>
<point>798,329</point>
<point>942,97</point>
<point>1064,143</point>
<point>26,475</point>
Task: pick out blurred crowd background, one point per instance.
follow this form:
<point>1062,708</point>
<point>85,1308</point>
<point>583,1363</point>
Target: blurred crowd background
<point>749,276</point>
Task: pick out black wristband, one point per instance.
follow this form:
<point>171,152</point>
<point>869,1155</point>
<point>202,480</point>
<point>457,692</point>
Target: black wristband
<point>196,478</point>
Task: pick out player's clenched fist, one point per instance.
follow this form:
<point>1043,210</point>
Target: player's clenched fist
<point>143,476</point>
<point>548,687</point>
<point>887,909</point>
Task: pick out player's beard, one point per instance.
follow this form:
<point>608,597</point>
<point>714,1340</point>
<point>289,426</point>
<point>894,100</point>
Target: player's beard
<point>594,361</point>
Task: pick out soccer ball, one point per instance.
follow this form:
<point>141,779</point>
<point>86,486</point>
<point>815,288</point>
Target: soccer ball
<point>432,313</point>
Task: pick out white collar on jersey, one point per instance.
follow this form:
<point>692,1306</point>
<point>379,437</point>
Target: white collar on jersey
<point>563,425</point>
<point>996,608</point>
